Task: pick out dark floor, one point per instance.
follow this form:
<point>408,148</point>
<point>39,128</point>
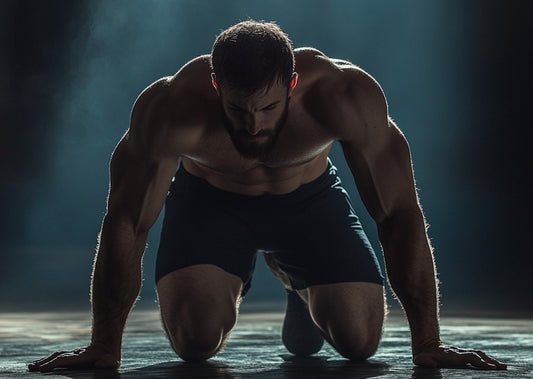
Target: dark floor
<point>255,350</point>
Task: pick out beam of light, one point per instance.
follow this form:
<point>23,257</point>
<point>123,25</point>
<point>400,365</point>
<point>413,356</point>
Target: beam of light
<point>123,46</point>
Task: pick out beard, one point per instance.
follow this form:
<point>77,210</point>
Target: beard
<point>255,149</point>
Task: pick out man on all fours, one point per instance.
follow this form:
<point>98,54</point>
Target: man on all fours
<point>252,125</point>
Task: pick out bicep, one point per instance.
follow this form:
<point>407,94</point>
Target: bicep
<point>382,171</point>
<point>138,185</point>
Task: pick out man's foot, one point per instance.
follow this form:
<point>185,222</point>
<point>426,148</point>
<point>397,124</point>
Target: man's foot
<point>299,334</point>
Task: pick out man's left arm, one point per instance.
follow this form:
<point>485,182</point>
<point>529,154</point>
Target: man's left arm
<point>379,158</point>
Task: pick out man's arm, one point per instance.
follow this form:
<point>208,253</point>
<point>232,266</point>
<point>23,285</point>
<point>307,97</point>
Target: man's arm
<point>379,158</point>
<point>138,190</point>
<point>141,171</point>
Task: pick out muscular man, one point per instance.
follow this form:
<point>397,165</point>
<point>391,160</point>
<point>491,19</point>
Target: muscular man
<point>252,125</point>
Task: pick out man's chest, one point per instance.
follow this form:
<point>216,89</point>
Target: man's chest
<point>299,142</point>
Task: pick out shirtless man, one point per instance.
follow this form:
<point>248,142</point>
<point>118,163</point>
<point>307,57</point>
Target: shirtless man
<point>252,125</point>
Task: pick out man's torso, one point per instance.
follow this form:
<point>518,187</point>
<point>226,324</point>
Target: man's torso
<point>192,127</point>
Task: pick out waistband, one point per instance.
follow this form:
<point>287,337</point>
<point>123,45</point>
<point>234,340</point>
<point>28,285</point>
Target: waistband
<point>327,179</point>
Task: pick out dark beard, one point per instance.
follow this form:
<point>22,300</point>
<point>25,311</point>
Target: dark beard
<point>253,149</point>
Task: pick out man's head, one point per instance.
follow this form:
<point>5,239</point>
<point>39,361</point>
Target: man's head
<point>251,56</point>
<point>253,73</point>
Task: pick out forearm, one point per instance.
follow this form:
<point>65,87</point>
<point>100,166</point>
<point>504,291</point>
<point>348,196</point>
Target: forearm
<point>116,282</point>
<point>411,273</point>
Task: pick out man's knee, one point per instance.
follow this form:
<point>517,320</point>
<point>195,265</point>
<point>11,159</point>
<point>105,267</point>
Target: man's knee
<point>350,315</point>
<point>198,309</point>
<point>197,335</point>
<point>196,343</point>
<point>355,344</point>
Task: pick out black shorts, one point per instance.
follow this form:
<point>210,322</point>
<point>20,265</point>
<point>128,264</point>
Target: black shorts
<point>312,232</point>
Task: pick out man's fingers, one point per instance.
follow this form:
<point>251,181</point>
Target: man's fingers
<point>34,366</point>
<point>66,360</point>
<point>62,359</point>
<point>499,365</point>
<point>478,359</point>
<point>449,356</point>
<point>84,357</point>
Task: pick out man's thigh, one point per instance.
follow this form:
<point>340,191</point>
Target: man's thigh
<point>349,314</point>
<point>200,227</point>
<point>324,243</point>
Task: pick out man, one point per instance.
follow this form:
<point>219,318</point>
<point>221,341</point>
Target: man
<point>252,125</point>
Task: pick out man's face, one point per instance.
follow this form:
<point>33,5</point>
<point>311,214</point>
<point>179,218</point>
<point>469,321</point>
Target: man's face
<point>255,121</point>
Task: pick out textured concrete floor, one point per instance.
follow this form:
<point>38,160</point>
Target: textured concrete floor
<point>255,350</point>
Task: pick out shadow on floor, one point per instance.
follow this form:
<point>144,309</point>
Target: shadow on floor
<point>291,368</point>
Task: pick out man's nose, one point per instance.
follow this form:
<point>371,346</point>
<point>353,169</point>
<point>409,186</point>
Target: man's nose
<point>253,126</point>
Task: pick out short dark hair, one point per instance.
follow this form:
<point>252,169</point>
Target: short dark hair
<point>252,55</point>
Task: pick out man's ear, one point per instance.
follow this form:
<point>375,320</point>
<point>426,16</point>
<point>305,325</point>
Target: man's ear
<point>294,81</point>
<point>214,82</point>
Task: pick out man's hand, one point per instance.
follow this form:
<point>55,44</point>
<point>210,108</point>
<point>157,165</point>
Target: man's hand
<point>85,357</point>
<point>442,355</point>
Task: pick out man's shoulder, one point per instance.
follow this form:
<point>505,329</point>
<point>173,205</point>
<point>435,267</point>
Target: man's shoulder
<point>332,75</point>
<point>316,60</point>
<point>193,76</point>
<point>151,98</point>
<point>178,92</point>
<point>306,52</point>
<point>337,92</point>
<point>170,113</point>
<point>199,67</point>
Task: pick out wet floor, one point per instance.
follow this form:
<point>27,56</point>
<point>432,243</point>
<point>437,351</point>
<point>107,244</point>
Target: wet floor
<point>255,350</point>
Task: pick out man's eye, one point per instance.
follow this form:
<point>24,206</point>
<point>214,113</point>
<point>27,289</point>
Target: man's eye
<point>269,108</point>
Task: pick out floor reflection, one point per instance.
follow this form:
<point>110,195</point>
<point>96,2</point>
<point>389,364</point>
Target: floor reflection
<point>291,368</point>
<point>294,367</point>
<point>426,373</point>
<point>255,349</point>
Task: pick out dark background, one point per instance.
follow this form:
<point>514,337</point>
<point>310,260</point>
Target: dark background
<point>457,75</point>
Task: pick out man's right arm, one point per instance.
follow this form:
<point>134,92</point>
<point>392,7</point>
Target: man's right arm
<point>141,171</point>
<point>137,193</point>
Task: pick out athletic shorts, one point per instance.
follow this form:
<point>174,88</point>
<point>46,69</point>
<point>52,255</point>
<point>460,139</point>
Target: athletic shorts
<point>312,232</point>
